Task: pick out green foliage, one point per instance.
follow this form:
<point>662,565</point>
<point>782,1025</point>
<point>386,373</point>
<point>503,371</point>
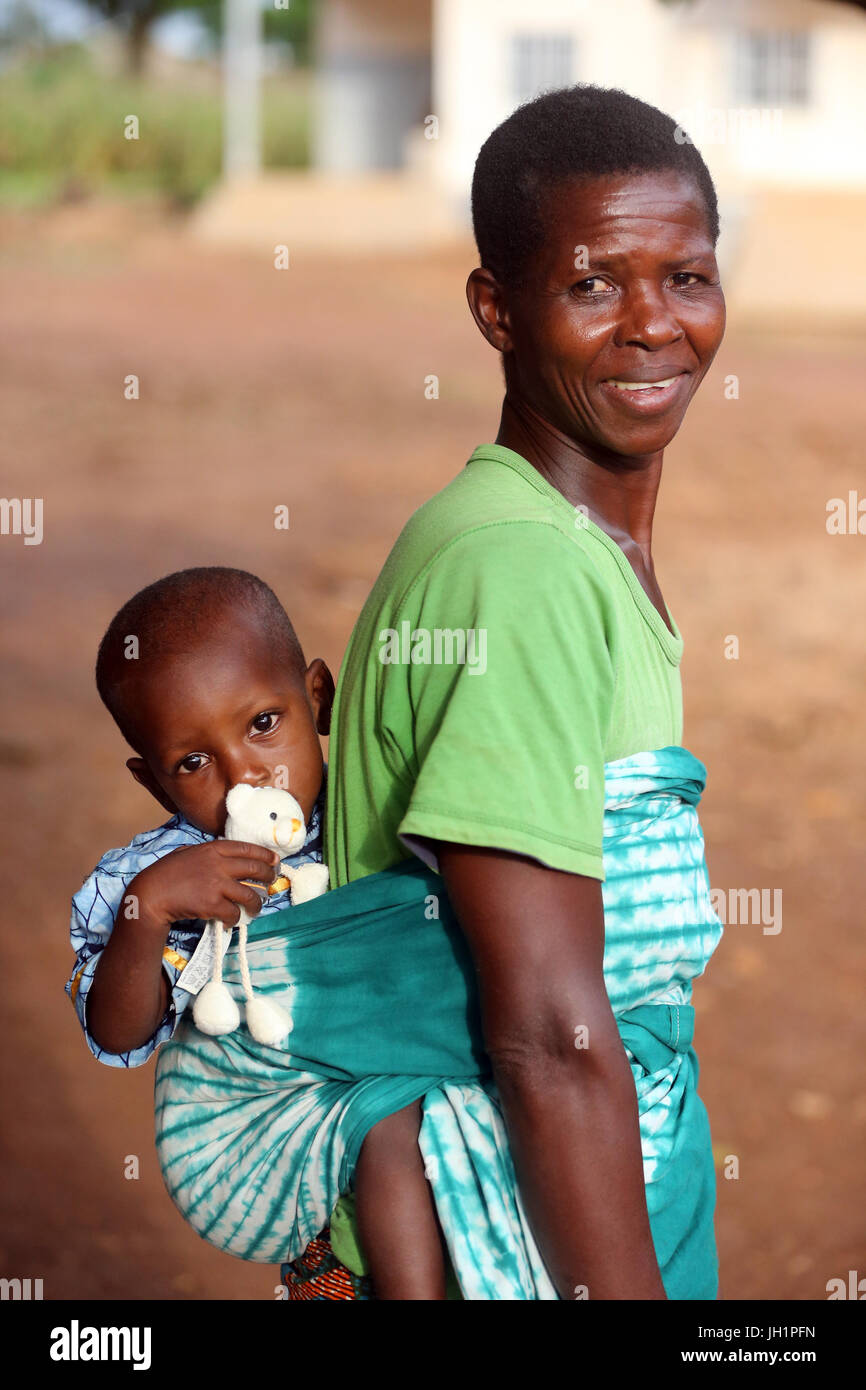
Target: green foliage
<point>62,125</point>
<point>292,25</point>
<point>136,18</point>
<point>129,11</point>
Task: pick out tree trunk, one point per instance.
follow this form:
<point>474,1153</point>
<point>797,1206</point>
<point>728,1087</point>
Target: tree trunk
<point>136,43</point>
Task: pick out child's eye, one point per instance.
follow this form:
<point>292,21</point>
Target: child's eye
<point>265,722</point>
<point>192,762</point>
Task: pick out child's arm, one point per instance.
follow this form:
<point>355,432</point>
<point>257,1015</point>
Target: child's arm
<point>129,995</point>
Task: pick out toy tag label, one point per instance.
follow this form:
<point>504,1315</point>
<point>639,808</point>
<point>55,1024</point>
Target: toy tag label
<point>199,967</point>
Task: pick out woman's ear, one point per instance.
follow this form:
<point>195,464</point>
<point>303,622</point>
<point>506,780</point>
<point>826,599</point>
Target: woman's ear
<point>145,778</point>
<point>320,692</point>
<point>487,302</point>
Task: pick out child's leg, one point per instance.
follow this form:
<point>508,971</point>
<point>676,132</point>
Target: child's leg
<point>397,1222</point>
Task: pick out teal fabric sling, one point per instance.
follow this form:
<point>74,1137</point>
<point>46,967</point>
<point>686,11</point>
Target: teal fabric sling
<point>257,1143</point>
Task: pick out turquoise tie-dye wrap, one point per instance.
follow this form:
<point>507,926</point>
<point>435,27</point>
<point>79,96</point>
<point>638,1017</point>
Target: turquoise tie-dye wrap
<point>256,1144</point>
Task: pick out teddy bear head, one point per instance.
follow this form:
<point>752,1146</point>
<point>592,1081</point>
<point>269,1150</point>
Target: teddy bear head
<point>265,816</point>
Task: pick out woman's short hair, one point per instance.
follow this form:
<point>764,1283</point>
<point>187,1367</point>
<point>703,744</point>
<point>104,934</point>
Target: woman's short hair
<point>578,132</point>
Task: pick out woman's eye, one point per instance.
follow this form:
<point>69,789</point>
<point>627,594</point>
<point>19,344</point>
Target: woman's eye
<point>683,275</point>
<point>263,723</point>
<point>192,763</point>
<point>591,286</point>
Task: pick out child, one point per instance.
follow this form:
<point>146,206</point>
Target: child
<point>205,677</point>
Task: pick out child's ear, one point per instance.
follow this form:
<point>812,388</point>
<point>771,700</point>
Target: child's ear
<point>320,690</point>
<point>145,778</point>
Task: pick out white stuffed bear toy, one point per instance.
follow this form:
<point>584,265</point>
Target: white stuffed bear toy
<point>270,817</point>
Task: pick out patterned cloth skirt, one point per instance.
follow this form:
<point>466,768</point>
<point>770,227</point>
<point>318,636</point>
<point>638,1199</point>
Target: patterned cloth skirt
<point>318,1275</point>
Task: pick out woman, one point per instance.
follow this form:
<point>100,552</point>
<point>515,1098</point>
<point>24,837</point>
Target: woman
<point>486,755</point>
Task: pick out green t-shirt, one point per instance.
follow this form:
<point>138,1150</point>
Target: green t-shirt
<point>506,652</point>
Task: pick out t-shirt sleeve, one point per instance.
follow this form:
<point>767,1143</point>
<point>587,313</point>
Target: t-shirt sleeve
<point>510,685</point>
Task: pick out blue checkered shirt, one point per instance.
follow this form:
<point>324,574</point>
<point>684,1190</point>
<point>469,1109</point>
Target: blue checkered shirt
<point>96,904</point>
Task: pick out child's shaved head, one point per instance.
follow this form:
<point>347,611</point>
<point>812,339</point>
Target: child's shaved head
<point>171,617</point>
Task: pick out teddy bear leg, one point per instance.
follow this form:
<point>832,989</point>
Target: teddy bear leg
<point>215,1011</point>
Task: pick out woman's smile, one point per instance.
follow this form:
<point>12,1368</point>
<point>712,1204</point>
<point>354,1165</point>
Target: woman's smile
<point>643,397</point>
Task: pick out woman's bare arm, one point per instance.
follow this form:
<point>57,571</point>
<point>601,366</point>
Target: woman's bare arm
<point>537,938</point>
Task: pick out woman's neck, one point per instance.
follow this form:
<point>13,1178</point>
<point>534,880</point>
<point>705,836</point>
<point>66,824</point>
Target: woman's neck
<point>617,492</point>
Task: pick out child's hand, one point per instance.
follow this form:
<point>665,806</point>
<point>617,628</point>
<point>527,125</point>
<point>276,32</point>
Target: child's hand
<point>203,881</point>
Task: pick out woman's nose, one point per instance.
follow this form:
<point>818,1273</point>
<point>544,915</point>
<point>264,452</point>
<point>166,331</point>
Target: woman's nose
<point>648,320</point>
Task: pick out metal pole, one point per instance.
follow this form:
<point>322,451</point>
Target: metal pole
<point>242,44</point>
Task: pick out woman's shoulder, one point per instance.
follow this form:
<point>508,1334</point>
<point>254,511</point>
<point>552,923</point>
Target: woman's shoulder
<point>486,512</point>
<point>487,544</point>
<point>484,489</point>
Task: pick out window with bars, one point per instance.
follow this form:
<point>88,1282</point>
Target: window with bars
<point>773,69</point>
<point>540,62</point>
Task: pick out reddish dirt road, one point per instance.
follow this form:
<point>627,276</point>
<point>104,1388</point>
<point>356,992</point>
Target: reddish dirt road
<point>307,388</point>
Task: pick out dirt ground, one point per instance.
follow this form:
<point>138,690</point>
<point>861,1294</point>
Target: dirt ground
<point>306,388</point>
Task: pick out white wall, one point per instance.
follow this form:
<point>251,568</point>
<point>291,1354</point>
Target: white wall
<point>620,45</point>
<point>681,59</point>
<point>372,81</point>
<point>820,144</point>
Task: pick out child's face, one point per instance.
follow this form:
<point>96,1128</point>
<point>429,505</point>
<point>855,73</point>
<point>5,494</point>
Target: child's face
<point>231,710</point>
<point>643,303</point>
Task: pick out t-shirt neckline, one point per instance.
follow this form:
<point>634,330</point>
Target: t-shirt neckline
<point>671,642</point>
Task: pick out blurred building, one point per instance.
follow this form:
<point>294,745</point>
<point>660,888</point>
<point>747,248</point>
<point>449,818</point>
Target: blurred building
<point>771,91</point>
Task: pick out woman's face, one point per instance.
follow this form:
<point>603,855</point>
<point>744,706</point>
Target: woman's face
<point>623,295</point>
